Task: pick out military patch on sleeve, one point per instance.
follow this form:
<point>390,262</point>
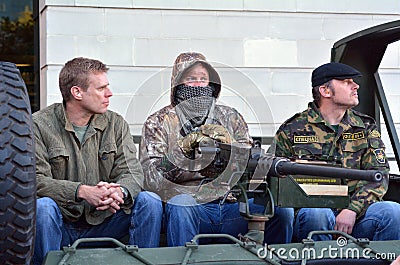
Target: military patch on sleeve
<point>304,139</point>
<point>375,134</point>
<point>380,156</point>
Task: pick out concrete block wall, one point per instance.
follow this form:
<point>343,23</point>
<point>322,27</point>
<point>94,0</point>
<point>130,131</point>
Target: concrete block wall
<point>264,50</point>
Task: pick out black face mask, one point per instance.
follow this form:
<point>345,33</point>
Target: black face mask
<point>193,105</point>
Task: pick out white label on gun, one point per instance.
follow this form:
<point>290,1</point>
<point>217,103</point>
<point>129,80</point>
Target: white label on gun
<point>242,207</point>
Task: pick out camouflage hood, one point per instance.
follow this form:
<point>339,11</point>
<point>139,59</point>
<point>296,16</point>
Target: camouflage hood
<point>183,63</point>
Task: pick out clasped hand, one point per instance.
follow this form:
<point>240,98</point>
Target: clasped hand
<point>104,196</point>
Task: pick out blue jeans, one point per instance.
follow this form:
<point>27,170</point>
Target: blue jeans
<point>380,222</point>
<point>185,219</point>
<point>52,232</point>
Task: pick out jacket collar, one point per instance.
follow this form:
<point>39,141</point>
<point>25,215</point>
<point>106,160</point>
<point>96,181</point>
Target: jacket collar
<point>98,121</point>
<point>349,120</point>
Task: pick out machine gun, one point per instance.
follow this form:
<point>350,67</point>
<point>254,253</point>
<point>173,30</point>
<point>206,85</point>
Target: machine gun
<point>270,181</point>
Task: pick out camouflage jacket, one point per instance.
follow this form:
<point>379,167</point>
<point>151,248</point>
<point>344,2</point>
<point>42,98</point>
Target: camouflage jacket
<point>107,153</point>
<point>160,134</point>
<point>357,144</point>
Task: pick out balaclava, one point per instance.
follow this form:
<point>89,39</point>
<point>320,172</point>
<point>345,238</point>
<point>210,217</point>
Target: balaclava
<point>194,104</point>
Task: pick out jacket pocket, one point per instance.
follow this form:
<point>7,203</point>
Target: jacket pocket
<point>354,146</point>
<point>376,143</point>
<point>308,151</point>
<point>107,154</point>
<point>352,152</point>
<point>59,157</point>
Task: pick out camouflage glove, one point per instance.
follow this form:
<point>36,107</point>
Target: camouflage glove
<point>190,141</point>
<point>217,132</point>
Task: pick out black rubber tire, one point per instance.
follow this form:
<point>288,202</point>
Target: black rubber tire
<point>17,169</point>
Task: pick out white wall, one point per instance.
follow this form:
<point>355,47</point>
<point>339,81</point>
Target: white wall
<point>264,50</point>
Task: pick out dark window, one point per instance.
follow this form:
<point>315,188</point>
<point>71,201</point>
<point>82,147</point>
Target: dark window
<point>18,42</point>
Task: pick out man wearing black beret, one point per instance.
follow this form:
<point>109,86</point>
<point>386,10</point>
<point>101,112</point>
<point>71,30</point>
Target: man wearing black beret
<point>330,130</point>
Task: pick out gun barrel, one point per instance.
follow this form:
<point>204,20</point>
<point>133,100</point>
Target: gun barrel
<point>281,167</point>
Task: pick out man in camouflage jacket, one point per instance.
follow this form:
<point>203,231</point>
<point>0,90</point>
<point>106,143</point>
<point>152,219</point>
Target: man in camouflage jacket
<point>176,172</point>
<point>88,177</point>
<point>330,130</point>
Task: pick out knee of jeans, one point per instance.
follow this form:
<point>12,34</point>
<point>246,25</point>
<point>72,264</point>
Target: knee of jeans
<point>386,208</point>
<point>182,200</point>
<point>148,199</point>
<point>316,215</point>
<point>285,214</point>
<point>46,208</point>
<point>148,196</point>
<point>45,204</point>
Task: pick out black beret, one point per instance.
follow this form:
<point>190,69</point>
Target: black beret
<point>329,71</point>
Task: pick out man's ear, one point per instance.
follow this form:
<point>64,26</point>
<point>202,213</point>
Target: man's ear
<point>76,92</point>
<point>325,91</point>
